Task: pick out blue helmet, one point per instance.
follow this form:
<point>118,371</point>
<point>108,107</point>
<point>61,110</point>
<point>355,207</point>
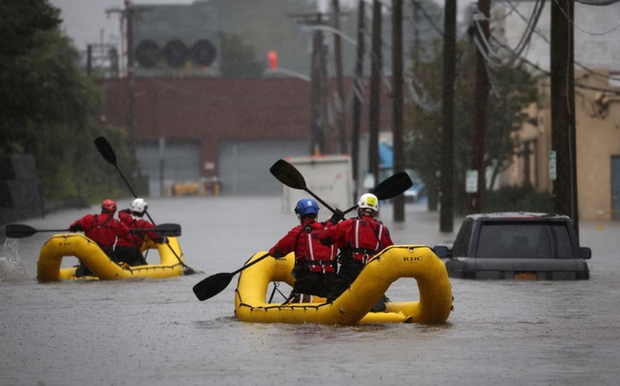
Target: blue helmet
<point>306,206</point>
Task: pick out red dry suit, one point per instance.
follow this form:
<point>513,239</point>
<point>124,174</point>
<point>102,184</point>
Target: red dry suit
<point>360,238</point>
<point>310,254</point>
<point>136,239</point>
<point>102,228</point>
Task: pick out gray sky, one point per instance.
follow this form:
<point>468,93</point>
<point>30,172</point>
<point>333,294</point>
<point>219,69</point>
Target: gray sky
<point>85,21</point>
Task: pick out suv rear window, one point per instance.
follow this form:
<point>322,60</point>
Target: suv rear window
<point>523,239</point>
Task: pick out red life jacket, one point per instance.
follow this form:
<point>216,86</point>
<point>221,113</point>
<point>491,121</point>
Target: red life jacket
<point>365,239</point>
<point>318,257</point>
<point>101,232</point>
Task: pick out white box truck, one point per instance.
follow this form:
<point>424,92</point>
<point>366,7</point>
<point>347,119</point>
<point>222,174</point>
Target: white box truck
<point>329,177</point>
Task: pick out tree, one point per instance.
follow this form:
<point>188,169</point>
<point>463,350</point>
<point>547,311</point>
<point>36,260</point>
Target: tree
<point>513,89</point>
<point>238,61</point>
<point>266,25</point>
<point>48,108</point>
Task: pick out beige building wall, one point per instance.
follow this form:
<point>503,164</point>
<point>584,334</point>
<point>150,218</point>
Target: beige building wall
<point>597,126</point>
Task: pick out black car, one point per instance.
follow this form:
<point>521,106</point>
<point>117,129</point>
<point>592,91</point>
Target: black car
<point>516,246</point>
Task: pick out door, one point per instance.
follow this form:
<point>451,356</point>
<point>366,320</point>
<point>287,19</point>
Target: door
<point>244,165</point>
<point>180,163</point>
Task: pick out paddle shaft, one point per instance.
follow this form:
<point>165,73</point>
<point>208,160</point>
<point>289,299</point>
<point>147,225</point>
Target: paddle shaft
<point>214,284</point>
<point>107,152</point>
<point>266,255</point>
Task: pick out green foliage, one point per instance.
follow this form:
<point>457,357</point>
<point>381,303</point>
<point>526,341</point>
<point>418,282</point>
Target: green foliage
<point>50,109</point>
<point>513,89</point>
<point>513,199</point>
<point>266,25</point>
<point>238,60</point>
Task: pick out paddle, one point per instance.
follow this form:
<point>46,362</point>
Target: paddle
<point>107,152</point>
<point>291,177</point>
<point>390,188</point>
<point>214,284</point>
<point>19,231</point>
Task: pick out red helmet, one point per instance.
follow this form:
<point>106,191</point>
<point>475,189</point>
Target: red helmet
<point>108,205</point>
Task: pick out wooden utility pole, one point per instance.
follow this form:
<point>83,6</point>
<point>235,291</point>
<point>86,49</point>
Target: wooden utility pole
<point>563,109</point>
<point>127,16</point>
<point>446,215</point>
<point>319,88</point>
<point>358,96</point>
<point>397,100</point>
<point>479,121</point>
<point>341,117</point>
<point>375,93</point>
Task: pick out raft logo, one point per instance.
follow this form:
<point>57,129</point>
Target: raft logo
<point>412,258</point>
<point>64,244</point>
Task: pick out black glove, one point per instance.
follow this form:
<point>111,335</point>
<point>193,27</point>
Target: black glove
<point>337,216</point>
<point>73,228</point>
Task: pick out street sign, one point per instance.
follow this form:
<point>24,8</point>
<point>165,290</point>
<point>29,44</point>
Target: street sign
<point>553,168</point>
<point>471,181</point>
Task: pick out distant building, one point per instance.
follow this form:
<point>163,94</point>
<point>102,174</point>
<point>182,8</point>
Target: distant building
<point>597,103</point>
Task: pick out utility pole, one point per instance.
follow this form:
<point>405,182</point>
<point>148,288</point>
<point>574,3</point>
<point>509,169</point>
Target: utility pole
<point>339,79</point>
<point>318,124</point>
<point>127,16</point>
<point>481,92</point>
<point>397,100</point>
<point>376,67</point>
<point>446,215</point>
<point>563,109</point>
<point>319,105</point>
<point>357,97</point>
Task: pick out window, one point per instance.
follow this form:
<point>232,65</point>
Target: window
<point>463,239</point>
<point>523,239</point>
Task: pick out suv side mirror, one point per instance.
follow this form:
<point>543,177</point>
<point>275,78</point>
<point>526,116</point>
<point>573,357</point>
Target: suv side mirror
<point>441,251</point>
<point>585,253</point>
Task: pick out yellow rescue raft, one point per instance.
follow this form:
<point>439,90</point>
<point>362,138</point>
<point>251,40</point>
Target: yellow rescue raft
<point>398,261</point>
<point>89,253</point>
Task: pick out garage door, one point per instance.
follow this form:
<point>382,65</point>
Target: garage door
<point>244,165</point>
<point>181,164</point>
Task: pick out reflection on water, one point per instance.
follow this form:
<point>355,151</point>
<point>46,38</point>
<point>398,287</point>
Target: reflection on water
<point>11,267</point>
<point>155,332</point>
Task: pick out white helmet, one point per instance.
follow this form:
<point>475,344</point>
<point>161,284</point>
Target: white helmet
<point>369,201</point>
<point>138,206</point>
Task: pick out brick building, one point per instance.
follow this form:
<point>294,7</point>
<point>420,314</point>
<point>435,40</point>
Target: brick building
<point>230,129</point>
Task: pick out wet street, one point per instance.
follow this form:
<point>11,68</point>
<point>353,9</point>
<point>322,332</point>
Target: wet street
<point>155,332</point>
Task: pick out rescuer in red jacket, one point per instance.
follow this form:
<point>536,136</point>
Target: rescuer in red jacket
<point>359,239</point>
<point>103,229</point>
<point>315,263</point>
<point>128,248</point>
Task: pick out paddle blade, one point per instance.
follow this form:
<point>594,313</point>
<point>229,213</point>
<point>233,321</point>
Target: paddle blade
<point>106,150</point>
<point>212,285</point>
<point>288,175</point>
<point>170,230</point>
<point>393,186</point>
<point>19,231</point>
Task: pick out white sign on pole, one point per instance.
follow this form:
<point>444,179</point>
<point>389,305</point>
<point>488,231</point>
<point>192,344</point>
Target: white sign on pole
<point>553,167</point>
<point>471,181</point>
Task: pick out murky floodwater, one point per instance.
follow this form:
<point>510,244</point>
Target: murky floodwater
<point>155,332</point>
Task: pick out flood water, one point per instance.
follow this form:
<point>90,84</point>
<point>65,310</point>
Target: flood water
<point>155,332</point>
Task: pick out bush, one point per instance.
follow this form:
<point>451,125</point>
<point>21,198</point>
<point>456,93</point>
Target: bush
<point>516,199</point>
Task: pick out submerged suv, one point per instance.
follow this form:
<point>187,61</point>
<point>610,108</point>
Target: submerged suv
<point>516,246</point>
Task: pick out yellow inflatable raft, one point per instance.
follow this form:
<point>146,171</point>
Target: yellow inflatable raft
<point>398,261</point>
<point>89,253</point>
